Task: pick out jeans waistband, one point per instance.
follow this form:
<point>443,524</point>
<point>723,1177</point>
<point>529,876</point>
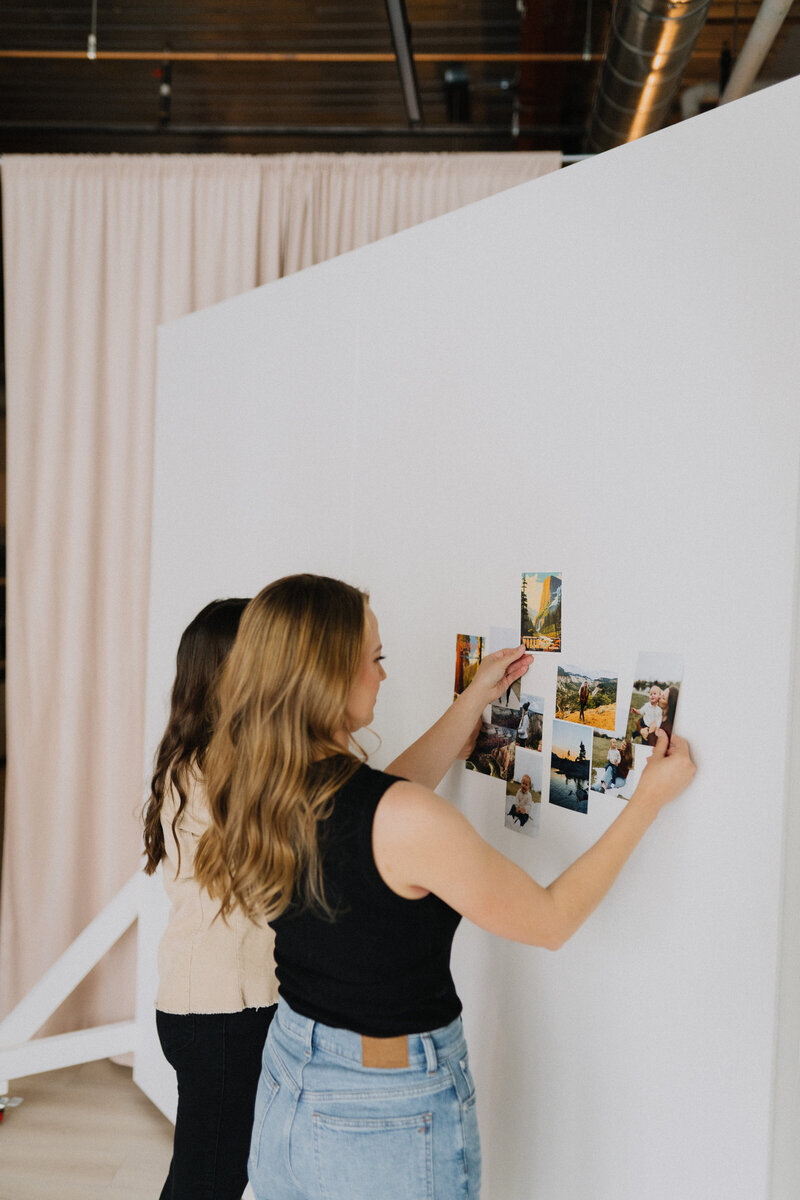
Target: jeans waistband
<point>424,1049</point>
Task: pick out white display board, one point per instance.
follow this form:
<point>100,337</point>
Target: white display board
<point>593,374</point>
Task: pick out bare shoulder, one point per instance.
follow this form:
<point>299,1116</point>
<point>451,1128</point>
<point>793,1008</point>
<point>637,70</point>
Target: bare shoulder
<point>413,809</point>
<point>415,835</point>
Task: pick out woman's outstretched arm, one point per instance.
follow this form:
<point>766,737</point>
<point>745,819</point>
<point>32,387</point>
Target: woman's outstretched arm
<point>423,844</point>
<point>430,757</point>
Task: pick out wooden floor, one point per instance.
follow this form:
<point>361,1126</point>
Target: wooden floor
<point>83,1133</point>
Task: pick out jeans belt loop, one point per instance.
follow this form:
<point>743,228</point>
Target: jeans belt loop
<point>431,1060</point>
<point>384,1052</point>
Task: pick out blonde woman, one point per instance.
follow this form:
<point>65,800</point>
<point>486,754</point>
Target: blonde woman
<point>365,1087</point>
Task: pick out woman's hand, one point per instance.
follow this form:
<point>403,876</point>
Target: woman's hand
<point>668,772</point>
<point>453,735</point>
<point>498,671</point>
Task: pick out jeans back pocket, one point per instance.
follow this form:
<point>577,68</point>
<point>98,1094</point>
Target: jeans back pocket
<point>361,1158</point>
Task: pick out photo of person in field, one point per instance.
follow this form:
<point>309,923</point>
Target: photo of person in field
<point>469,651</point>
<point>524,795</point>
<point>586,696</point>
<point>612,762</point>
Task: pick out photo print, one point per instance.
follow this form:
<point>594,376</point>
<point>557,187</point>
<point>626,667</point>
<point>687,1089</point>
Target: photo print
<point>656,685</point>
<point>469,651</point>
<point>612,763</point>
<point>531,718</point>
<point>586,696</point>
<point>493,752</point>
<point>506,709</point>
<point>540,611</point>
<point>570,764</point>
<point>523,806</point>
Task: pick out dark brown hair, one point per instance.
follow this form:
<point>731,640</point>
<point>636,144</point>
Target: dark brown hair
<point>204,646</point>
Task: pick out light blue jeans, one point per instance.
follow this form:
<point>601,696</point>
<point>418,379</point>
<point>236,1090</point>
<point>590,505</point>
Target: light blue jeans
<point>327,1128</point>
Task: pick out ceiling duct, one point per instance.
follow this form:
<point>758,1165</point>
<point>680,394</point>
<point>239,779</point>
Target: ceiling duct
<point>649,45</point>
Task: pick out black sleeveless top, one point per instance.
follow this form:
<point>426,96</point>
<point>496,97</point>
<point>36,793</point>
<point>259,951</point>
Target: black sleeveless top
<point>382,966</point>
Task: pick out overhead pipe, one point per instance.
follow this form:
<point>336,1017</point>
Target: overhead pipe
<point>306,56</point>
<point>401,40</point>
<point>649,45</point>
<point>759,42</point>
<point>121,129</point>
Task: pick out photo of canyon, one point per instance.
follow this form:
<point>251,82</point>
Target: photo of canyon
<point>540,611</point>
<point>494,750</point>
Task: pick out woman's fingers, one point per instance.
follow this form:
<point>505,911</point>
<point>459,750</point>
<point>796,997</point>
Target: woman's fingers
<point>670,768</point>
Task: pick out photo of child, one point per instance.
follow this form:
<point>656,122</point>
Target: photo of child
<point>648,718</point>
<point>612,762</point>
<point>524,795</point>
<point>654,698</point>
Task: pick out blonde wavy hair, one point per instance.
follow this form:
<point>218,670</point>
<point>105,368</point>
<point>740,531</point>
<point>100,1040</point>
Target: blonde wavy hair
<point>274,763</point>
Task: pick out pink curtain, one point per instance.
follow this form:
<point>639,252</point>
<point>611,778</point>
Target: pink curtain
<point>99,251</point>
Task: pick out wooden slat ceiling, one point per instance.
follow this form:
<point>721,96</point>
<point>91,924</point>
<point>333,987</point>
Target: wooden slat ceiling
<point>73,104</point>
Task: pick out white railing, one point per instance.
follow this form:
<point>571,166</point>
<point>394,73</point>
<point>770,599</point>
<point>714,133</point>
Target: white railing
<point>22,1054</point>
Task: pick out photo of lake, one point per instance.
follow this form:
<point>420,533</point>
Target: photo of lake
<point>569,766</point>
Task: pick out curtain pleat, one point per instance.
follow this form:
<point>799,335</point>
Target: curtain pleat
<point>98,250</point>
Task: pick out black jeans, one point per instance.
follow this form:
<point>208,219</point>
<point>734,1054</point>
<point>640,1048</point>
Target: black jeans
<point>217,1058</point>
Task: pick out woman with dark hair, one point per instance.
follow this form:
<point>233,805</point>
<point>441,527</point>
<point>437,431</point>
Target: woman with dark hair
<point>668,701</point>
<point>217,987</point>
<point>365,1088</point>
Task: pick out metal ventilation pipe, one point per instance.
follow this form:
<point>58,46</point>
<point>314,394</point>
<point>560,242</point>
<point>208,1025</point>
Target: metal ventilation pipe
<point>649,44</point>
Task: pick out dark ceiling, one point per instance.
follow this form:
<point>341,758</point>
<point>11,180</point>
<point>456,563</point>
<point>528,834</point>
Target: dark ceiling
<point>492,74</point>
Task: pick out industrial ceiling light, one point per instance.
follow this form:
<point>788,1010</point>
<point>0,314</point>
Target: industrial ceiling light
<point>456,91</point>
<point>401,41</point>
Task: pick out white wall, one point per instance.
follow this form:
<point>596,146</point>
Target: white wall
<point>593,373</point>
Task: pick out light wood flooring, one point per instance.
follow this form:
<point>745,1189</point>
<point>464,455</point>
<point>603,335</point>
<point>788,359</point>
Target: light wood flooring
<point>83,1133</point>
